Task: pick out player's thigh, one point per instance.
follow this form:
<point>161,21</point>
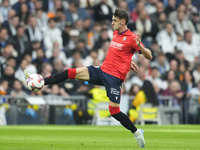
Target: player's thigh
<point>113,88</point>
<point>113,104</point>
<point>82,74</point>
<point>95,74</point>
<point>114,95</point>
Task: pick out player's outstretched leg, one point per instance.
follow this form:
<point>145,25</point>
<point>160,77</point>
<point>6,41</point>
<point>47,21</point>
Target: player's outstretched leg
<point>78,73</point>
<point>56,78</point>
<point>126,122</point>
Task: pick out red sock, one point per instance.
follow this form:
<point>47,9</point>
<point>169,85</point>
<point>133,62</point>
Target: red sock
<point>114,110</point>
<point>71,73</point>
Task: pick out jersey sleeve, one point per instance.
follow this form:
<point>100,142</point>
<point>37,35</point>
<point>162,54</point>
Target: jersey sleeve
<point>135,47</point>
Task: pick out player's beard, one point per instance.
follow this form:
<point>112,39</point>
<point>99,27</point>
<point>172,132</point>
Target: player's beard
<point>114,28</point>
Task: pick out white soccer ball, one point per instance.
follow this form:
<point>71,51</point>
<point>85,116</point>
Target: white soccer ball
<point>35,82</point>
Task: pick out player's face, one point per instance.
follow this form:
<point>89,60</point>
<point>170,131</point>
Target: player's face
<point>116,23</point>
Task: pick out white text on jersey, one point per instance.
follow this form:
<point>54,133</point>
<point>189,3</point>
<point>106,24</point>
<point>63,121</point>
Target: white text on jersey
<point>116,45</point>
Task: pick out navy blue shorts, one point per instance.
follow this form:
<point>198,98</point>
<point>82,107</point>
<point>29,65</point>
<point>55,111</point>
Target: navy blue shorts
<point>111,83</point>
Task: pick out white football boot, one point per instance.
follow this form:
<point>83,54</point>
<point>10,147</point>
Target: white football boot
<point>26,74</point>
<point>139,136</point>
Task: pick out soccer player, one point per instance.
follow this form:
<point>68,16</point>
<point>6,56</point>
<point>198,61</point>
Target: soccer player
<point>113,70</point>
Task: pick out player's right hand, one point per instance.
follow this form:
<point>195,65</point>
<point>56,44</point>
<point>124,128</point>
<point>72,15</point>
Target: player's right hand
<point>138,40</point>
<point>26,74</point>
<point>134,67</point>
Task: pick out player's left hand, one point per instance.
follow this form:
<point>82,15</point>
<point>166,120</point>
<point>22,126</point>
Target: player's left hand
<point>138,40</point>
<point>134,67</point>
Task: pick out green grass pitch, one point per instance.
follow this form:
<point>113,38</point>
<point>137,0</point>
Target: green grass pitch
<point>54,137</point>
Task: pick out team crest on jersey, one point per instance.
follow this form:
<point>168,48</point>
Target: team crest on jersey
<point>124,38</point>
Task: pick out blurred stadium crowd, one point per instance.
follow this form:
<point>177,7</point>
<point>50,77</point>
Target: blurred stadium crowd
<point>49,36</point>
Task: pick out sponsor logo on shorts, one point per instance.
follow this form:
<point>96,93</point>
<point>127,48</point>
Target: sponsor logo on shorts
<point>114,91</point>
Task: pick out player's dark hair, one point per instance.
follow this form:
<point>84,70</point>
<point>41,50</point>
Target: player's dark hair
<point>121,14</point>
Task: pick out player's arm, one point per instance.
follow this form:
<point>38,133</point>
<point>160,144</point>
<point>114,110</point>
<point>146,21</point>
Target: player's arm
<point>145,51</point>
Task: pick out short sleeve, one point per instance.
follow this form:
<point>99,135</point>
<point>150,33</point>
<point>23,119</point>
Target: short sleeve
<point>135,47</point>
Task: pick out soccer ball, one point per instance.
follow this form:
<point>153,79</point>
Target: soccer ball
<point>35,82</point>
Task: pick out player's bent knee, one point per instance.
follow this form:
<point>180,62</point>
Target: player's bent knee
<point>82,74</point>
<point>114,110</point>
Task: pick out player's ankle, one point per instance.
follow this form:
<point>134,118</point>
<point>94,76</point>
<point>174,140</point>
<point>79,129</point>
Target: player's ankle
<point>136,133</point>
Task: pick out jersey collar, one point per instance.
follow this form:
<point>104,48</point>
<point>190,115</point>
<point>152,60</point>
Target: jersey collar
<point>122,32</point>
